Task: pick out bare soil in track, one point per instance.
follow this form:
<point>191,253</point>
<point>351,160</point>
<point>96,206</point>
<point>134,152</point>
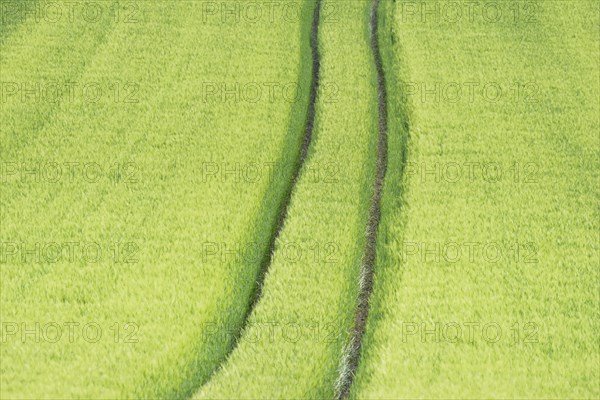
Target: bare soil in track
<point>366,279</point>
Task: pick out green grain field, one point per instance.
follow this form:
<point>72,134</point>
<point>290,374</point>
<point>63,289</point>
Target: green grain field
<point>306,199</point>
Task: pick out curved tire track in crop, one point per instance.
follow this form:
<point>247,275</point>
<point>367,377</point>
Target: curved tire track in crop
<point>352,357</point>
<point>307,140</point>
<point>308,133</point>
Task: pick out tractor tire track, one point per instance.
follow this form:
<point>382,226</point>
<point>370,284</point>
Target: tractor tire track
<point>308,134</point>
<point>352,357</point>
<point>282,216</point>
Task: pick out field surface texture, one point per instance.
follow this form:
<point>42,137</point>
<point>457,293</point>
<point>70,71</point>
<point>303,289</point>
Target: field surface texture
<point>122,212</point>
<point>487,280</point>
<point>309,199</point>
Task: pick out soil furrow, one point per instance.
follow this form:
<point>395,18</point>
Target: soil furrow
<point>281,218</point>
<point>310,121</point>
<point>366,278</point>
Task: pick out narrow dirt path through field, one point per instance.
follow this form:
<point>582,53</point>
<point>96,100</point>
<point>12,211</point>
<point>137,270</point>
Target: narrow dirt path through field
<point>307,140</point>
<point>310,122</point>
<point>350,362</point>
